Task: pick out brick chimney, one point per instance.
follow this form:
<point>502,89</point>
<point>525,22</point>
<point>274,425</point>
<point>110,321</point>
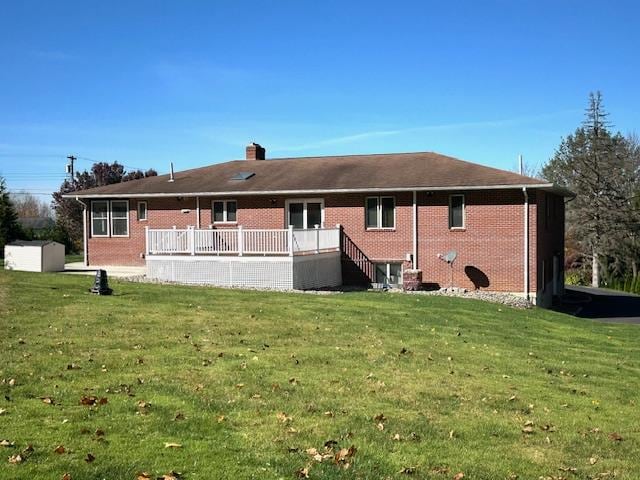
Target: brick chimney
<point>255,151</point>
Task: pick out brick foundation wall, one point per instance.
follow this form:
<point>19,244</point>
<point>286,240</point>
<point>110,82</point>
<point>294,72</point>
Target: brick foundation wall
<point>490,247</point>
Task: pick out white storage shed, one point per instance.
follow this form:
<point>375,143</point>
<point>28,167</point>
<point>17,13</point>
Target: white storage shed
<point>34,256</point>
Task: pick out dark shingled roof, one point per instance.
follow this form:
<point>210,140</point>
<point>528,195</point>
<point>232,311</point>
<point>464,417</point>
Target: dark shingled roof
<point>396,171</point>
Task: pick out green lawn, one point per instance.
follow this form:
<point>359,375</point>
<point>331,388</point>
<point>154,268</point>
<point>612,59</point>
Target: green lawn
<point>73,257</point>
<point>247,382</point>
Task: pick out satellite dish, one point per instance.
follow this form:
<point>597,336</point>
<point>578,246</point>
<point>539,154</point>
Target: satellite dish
<point>450,256</point>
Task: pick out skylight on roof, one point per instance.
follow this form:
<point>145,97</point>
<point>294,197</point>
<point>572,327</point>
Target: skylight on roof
<point>242,176</point>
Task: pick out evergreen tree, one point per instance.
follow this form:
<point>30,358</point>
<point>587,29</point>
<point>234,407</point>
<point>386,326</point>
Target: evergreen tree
<point>9,227</point>
<point>598,166</point>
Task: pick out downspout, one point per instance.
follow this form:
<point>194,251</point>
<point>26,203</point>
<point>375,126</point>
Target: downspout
<point>85,247</point>
<point>526,242</point>
<point>198,212</point>
<point>414,256</point>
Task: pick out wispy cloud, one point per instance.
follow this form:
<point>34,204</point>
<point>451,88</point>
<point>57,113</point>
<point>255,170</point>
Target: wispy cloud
<point>53,55</point>
<point>346,139</point>
<point>192,77</point>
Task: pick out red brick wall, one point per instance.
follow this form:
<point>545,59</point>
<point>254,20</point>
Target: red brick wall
<point>161,213</point>
<point>490,247</point>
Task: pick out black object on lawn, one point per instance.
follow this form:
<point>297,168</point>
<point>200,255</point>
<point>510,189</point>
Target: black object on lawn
<point>101,284</point>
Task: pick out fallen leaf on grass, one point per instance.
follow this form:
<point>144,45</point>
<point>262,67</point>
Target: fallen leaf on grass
<point>302,472</point>
<point>66,476</point>
<point>179,416</point>
<point>143,407</point>
<point>568,469</point>
<point>458,476</point>
<point>59,449</point>
<point>408,470</point>
<point>380,426</point>
<point>6,443</point>
<point>615,437</point>
<point>172,475</point>
<point>143,476</point>
<point>47,400</point>
<point>593,460</point>
<point>172,445</point>
<point>283,417</point>
<point>380,418</point>
<point>2,411</point>
<point>90,401</point>
<point>89,458</point>
<point>221,418</point>
<point>15,459</point>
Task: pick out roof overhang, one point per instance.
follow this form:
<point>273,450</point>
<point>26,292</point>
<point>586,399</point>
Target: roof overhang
<point>542,186</point>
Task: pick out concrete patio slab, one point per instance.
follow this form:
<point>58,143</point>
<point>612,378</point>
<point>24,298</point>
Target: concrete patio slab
<point>78,268</point>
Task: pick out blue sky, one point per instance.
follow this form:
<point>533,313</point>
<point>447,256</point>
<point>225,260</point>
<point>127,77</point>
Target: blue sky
<point>149,82</point>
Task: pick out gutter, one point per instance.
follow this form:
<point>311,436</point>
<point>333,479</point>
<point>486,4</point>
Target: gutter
<point>85,246</point>
<point>543,186</point>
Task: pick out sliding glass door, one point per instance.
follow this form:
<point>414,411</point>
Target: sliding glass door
<point>305,213</point>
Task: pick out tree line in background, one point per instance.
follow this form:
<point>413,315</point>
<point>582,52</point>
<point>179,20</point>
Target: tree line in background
<point>26,217</point>
<point>602,168</point>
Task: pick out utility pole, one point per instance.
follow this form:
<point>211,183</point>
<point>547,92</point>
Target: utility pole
<point>70,166</point>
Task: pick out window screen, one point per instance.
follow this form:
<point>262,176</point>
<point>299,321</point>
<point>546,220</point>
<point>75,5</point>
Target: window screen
<point>372,212</point>
<point>218,211</point>
<point>296,215</point>
<point>388,212</point>
<point>99,218</point>
<point>231,210</point>
<point>456,211</point>
<point>119,218</point>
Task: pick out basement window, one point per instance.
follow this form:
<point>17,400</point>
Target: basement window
<point>388,274</point>
<point>224,211</point>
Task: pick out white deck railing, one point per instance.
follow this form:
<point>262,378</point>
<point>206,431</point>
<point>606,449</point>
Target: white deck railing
<point>241,241</point>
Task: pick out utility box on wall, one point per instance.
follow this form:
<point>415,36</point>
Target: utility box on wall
<point>34,256</point>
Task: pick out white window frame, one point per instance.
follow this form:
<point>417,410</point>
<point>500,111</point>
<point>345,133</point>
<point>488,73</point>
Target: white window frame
<point>464,211</point>
<point>304,202</point>
<point>388,271</point>
<point>379,212</point>
<point>108,220</point>
<point>224,211</point>
<point>146,211</point>
<point>111,218</point>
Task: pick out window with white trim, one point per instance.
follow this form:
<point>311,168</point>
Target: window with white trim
<point>119,218</point>
<point>380,213</point>
<point>224,211</point>
<point>142,211</point>
<point>110,218</point>
<point>456,211</point>
<point>388,273</point>
<point>100,218</point>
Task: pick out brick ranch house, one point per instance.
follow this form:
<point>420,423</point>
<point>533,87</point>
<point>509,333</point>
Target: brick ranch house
<point>325,221</point>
